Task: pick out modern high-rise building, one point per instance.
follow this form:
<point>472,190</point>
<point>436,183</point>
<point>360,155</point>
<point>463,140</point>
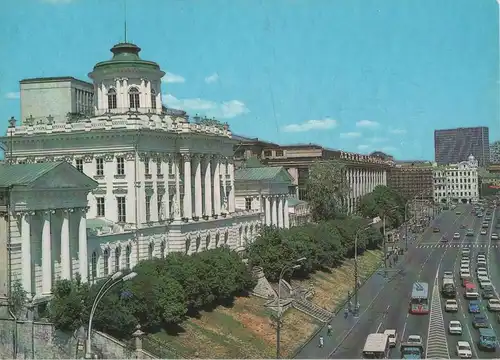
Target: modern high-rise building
<point>452,146</point>
<point>495,153</point>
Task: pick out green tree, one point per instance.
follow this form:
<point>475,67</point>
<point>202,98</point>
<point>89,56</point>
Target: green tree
<point>327,190</point>
<point>67,305</point>
<point>385,202</point>
<point>18,298</point>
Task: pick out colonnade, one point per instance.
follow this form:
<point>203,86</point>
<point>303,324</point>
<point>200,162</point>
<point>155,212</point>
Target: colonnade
<point>362,182</point>
<point>276,210</point>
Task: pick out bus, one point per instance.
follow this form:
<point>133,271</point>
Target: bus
<point>419,303</point>
<point>376,346</point>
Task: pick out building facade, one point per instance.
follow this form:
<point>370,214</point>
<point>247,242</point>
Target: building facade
<point>495,152</point>
<point>412,180</point>
<point>457,182</point>
<point>163,184</point>
<point>452,146</point>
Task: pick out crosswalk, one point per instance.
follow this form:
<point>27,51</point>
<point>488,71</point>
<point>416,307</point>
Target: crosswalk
<point>430,246</point>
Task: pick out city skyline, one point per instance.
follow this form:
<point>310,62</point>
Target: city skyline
<point>282,78</point>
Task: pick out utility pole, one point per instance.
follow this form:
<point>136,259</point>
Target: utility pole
<point>385,249</point>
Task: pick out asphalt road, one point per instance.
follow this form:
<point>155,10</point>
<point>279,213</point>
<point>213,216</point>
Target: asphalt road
<point>424,261</point>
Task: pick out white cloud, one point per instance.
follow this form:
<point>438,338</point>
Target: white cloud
<point>363,147</point>
<point>170,78</point>
<point>350,135</point>
<point>12,95</point>
<point>367,124</point>
<point>309,125</point>
<point>377,139</point>
<point>222,110</point>
<point>397,131</point>
<point>212,78</point>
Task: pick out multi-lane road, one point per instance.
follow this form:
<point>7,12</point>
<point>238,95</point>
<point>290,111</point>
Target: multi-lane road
<point>426,261</point>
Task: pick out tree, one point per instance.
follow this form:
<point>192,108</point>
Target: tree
<point>327,190</point>
<point>67,305</point>
<point>18,298</point>
<point>385,202</point>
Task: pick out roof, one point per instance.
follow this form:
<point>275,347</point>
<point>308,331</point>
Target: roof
<point>294,202</point>
<point>262,174</point>
<point>52,79</point>
<point>24,174</point>
<point>252,140</point>
<point>375,342</point>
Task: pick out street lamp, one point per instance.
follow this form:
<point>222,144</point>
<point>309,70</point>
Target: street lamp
<point>374,221</point>
<point>278,322</point>
<point>117,278</point>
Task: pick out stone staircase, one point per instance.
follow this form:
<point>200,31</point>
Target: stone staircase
<point>312,310</point>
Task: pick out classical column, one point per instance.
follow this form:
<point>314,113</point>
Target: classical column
<point>142,95</point>
<point>286,215</point>
<point>198,194</point>
<point>125,100</point>
<point>384,178</point>
<point>118,90</point>
<point>217,204</point>
<point>231,189</point>
<point>26,251</point>
<point>225,199</point>
<point>208,186</point>
<point>82,244</point>
<point>46,254</point>
<point>65,250</point>
<point>148,94</point>
<point>188,200</point>
<point>267,211</point>
<point>177,197</point>
<point>281,223</point>
<point>274,212</point>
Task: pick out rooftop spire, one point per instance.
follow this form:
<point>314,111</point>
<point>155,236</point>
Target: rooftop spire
<point>125,18</point>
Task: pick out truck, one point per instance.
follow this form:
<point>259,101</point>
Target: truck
<point>487,339</point>
<point>448,288</point>
<point>412,350</point>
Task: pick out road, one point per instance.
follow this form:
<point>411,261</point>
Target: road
<point>426,261</point>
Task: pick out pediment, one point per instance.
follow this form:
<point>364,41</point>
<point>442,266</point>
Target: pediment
<point>64,176</point>
<point>283,176</point>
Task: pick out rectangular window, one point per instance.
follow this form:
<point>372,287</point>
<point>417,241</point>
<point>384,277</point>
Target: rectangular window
<point>79,165</point>
<point>146,166</point>
<point>148,208</point>
<point>100,206</point>
<point>122,209</point>
<point>120,166</point>
<point>112,100</point>
<point>158,166</point>
<point>153,100</point>
<point>248,203</point>
<point>171,167</point>
<point>159,204</point>
<point>268,153</point>
<point>279,153</point>
<point>99,163</point>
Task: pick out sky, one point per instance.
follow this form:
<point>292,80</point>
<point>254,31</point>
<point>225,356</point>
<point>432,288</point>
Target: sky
<point>356,75</point>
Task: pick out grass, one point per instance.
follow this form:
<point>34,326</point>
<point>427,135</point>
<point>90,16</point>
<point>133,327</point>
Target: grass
<point>245,329</point>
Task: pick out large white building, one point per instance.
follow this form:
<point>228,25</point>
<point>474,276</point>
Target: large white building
<point>457,182</point>
<point>162,183</point>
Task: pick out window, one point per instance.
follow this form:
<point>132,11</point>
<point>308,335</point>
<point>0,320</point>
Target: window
<point>99,163</point>
<point>100,206</point>
<point>148,208</point>
<point>153,99</point>
<point>268,153</point>
<point>248,203</point>
<point>112,99</point>
<point>79,165</point>
<point>134,98</point>
<point>151,251</point>
<point>158,166</point>
<point>106,262</point>
<point>159,204</point>
<point>117,259</point>
<point>122,215</point>
<point>120,166</point>
<point>128,252</point>
<point>93,264</point>
<point>279,153</point>
<point>146,166</point>
<point>171,167</point>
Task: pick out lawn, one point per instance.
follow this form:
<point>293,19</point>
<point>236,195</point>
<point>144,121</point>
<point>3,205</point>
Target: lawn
<point>245,329</point>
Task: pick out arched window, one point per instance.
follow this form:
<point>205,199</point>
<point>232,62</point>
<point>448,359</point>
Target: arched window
<point>106,262</point>
<point>153,99</point>
<point>93,264</point>
<point>162,249</point>
<point>151,251</point>
<point>117,259</point>
<point>112,99</point>
<point>128,252</point>
<point>134,98</point>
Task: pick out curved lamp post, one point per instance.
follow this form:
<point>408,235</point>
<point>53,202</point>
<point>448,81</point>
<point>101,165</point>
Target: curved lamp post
<point>278,322</point>
<point>117,278</point>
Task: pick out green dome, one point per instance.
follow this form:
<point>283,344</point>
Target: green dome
<point>125,55</point>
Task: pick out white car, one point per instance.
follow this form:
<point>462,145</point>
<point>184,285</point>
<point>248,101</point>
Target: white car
<point>464,350</point>
<point>451,306</point>
<point>393,337</point>
<point>465,252</point>
<point>481,257</point>
<point>494,305</point>
<point>494,236</point>
<point>485,283</point>
<point>456,236</point>
<point>455,327</point>
<point>481,268</point>
<point>448,275</point>
<point>464,273</point>
<point>484,232</point>
<point>464,264</point>
<point>482,274</point>
<point>481,264</point>
<point>415,339</point>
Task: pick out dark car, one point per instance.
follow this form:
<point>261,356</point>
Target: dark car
<point>488,293</point>
<point>480,321</point>
<point>444,239</point>
<point>436,230</point>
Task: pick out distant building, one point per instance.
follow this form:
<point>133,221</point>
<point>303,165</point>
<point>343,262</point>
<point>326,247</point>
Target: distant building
<point>495,152</point>
<point>452,146</point>
<point>457,182</point>
<point>412,180</point>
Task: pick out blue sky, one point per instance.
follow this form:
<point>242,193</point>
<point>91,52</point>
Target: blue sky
<point>358,75</point>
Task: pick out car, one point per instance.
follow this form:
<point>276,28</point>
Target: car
<point>465,262</point>
<point>482,273</point>
<point>485,225</point>
<point>464,274</point>
<point>494,236</point>
<point>392,335</point>
<point>488,293</point>
<point>458,213</point>
<point>465,251</point>
<point>484,232</point>
<point>448,275</point>
<point>481,258</point>
<point>494,305</point>
<point>479,215</point>
<point>415,339</point>
<point>465,282</point>
<point>474,307</point>
<point>481,253</point>
<point>481,263</point>
<point>436,230</point>
<point>464,350</point>
<point>480,321</point>
<point>463,226</point>
<point>488,218</point>
<point>485,282</point>
<point>451,306</point>
<point>456,236</point>
<point>497,226</point>
<point>455,327</point>
<point>470,232</point>
<point>444,239</point>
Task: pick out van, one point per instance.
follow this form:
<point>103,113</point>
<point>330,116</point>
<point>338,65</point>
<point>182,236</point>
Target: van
<point>488,339</point>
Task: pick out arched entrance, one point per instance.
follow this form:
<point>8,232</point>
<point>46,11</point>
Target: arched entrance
<point>464,201</point>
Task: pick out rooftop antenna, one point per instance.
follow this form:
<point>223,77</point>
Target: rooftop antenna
<point>125,18</point>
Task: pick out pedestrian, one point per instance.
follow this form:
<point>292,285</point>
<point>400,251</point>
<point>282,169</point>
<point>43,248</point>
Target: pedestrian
<point>321,341</point>
<point>329,330</point>
<point>346,313</point>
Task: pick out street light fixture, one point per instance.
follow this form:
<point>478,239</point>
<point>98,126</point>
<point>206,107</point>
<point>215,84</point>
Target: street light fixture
<point>278,322</point>
<point>117,278</point>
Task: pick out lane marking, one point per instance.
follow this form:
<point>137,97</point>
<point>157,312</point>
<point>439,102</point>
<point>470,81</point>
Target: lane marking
<point>378,328</point>
<point>437,344</point>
